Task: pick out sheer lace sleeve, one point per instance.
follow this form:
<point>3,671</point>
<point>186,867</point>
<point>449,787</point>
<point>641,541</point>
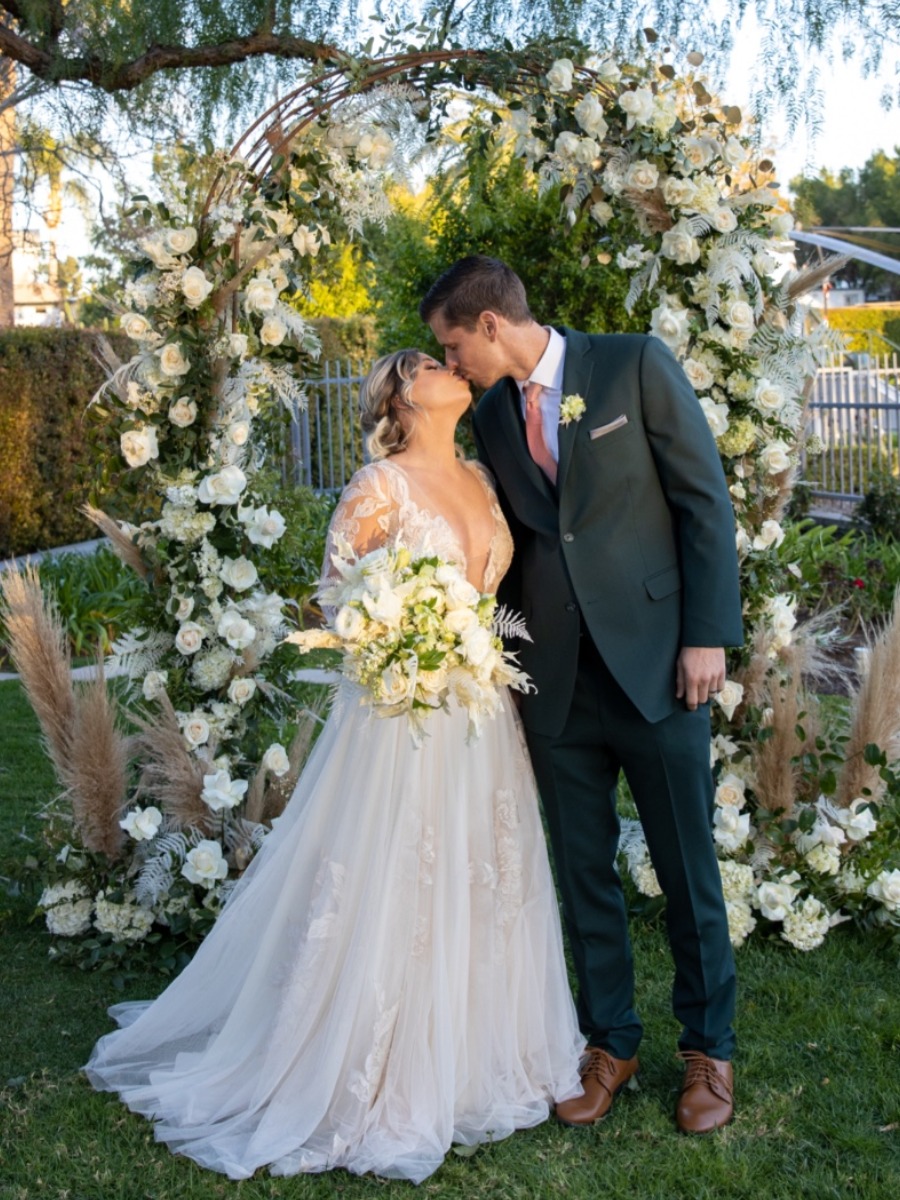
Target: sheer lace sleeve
<point>366,515</point>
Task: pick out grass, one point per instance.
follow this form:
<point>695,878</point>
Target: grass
<point>818,1076</point>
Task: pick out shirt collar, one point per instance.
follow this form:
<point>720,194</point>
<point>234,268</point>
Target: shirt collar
<point>549,370</point>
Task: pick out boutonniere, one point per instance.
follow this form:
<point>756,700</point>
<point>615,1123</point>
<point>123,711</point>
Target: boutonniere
<point>571,409</point>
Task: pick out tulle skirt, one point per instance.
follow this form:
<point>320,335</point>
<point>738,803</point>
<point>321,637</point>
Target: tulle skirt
<point>387,978</point>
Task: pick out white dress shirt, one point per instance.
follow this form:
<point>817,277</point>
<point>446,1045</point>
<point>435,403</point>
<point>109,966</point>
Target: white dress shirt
<point>549,374</point>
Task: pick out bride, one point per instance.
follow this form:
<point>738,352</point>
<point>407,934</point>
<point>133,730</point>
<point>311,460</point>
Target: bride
<point>387,978</point>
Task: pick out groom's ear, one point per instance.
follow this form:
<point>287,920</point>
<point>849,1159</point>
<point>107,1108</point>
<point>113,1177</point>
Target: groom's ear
<point>489,324</point>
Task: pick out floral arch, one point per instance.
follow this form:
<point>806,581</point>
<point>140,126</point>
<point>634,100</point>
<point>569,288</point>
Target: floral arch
<point>671,181</point>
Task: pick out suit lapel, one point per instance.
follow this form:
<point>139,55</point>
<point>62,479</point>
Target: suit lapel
<point>576,382</point>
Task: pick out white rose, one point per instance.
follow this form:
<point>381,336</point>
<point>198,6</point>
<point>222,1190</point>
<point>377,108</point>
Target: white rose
<point>731,828</point>
<point>195,729</point>
<point>739,316</point>
<point>236,630</point>
<point>239,573</point>
<point>665,114</point>
<point>195,287</point>
<point>460,593</point>
<point>679,193</point>
<point>716,415</point>
<point>276,760</point>
<point>734,151</point>
<point>136,327</point>
<point>183,412</point>
<point>723,220</point>
<point>386,606</point>
<point>638,106</point>
<point>189,638</point>
<point>477,644</point>
<point>700,377</point>
<point>260,295</point>
<point>602,212</point>
<point>561,75</point>
<point>768,397</point>
<point>273,331</point>
<point>775,899</point>
<point>857,820</point>
<point>731,790</point>
<point>886,890</point>
<point>154,684</point>
<point>305,241</point>
<point>670,325</point>
<point>220,791</point>
<point>238,433</point>
<point>142,824</point>
<point>680,245</point>
<point>241,690</point>
<point>775,458</point>
<point>699,152</point>
<point>184,608</point>
<point>224,487</point>
<point>770,534</point>
<point>396,685</point>
<point>349,623</point>
<point>461,621</point>
<point>161,258</point>
<point>238,345</point>
<point>264,527</point>
<point>782,223</point>
<point>205,864</point>
<point>172,361</point>
<point>589,115</point>
<point>729,697</point>
<point>139,446</point>
<point>642,176</point>
<point>180,241</point>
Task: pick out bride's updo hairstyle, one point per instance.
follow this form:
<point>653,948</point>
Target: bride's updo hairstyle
<point>383,397</point>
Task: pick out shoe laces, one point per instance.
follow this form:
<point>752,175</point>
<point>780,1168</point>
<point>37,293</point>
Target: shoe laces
<point>699,1069</point>
<point>600,1066</point>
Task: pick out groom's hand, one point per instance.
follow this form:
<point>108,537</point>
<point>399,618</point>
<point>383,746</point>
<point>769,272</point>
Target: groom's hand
<point>699,674</point>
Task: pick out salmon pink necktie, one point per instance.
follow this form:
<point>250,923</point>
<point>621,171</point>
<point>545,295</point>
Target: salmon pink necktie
<point>534,431</point>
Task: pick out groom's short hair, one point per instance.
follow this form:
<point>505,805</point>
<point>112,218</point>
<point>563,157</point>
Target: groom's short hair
<point>475,285</point>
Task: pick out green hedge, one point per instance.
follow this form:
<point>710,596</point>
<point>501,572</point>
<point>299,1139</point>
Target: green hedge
<point>47,378</point>
<point>352,338</point>
<point>861,321</point>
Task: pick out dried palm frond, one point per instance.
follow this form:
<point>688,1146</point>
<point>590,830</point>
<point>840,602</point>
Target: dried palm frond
<point>876,715</point>
<point>254,804</point>
<point>97,771</point>
<point>170,774</point>
<point>39,648</point>
<point>279,790</point>
<point>809,279</point>
<point>779,497</point>
<point>810,652</point>
<point>754,675</point>
<point>651,206</point>
<point>122,544</point>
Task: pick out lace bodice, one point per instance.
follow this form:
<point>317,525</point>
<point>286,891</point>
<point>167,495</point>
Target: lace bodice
<point>377,508</point>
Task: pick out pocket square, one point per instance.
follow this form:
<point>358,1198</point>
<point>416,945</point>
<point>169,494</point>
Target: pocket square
<point>601,430</point>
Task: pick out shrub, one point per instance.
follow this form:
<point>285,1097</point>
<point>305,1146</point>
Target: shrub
<point>47,378</point>
<point>864,326</point>
<point>879,509</point>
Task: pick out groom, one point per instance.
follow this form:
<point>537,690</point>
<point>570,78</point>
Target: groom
<point>626,574</point>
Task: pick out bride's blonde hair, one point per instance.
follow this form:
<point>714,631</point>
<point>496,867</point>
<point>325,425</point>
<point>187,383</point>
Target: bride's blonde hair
<point>385,392</point>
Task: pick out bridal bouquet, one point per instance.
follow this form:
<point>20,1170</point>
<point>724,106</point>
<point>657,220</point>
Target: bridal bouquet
<point>412,633</point>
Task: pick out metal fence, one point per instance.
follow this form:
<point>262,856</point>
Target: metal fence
<point>854,413</point>
<point>854,419</point>
<point>324,443</point>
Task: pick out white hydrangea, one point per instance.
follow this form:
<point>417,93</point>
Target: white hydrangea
<point>741,921</point>
<point>805,926</point>
<point>737,880</point>
<point>67,908</point>
<point>824,860</point>
<point>211,671</point>
<point>125,921</point>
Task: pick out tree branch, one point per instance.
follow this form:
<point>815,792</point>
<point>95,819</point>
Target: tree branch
<point>124,77</point>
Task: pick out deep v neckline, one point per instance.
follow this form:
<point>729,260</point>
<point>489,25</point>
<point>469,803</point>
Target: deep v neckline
<point>408,499</point>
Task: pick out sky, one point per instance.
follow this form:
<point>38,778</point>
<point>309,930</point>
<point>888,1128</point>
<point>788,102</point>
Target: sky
<point>854,125</point>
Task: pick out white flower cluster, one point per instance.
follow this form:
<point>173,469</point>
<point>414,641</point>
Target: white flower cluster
<point>123,920</point>
<point>68,908</point>
<point>413,632</point>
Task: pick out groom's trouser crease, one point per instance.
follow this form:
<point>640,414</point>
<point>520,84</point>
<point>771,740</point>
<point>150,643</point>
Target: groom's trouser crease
<point>667,767</point>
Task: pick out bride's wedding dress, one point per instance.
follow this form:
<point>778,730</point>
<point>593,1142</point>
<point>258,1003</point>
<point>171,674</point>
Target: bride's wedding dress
<point>387,978</point>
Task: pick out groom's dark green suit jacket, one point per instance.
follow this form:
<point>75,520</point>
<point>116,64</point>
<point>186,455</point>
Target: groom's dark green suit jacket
<point>638,535</point>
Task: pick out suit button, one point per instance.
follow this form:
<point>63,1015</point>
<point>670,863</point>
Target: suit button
<point>571,608</point>
<point>568,537</point>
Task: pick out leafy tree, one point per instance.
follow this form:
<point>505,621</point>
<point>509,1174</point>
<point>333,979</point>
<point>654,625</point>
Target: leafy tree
<point>490,204</point>
<point>853,201</point>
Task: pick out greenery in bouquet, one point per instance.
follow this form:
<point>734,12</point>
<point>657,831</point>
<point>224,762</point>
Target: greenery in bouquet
<point>412,633</point>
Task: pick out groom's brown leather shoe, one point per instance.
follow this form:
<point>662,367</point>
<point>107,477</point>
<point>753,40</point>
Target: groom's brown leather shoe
<point>707,1093</point>
<point>602,1078</point>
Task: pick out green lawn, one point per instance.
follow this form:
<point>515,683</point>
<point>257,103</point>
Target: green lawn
<point>818,1076</point>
